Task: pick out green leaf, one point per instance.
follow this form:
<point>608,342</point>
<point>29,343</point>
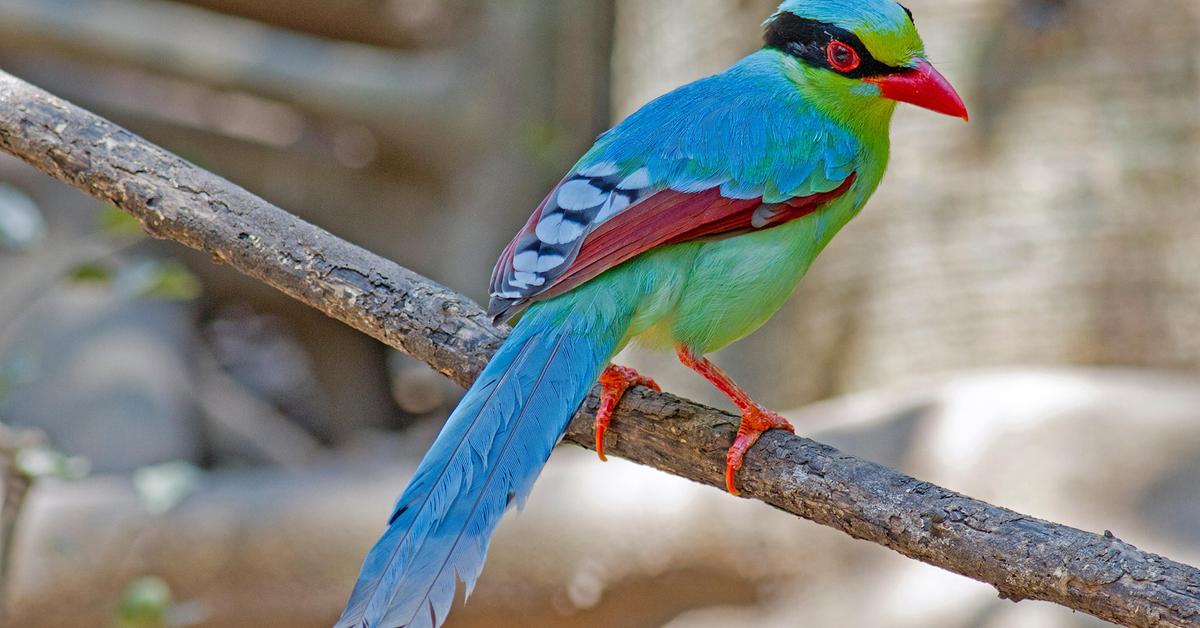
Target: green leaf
<point>91,273</point>
<point>146,603</point>
<point>156,279</point>
<point>172,281</point>
<point>118,224</point>
<point>146,278</point>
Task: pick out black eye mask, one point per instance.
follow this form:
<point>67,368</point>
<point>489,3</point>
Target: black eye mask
<point>807,40</point>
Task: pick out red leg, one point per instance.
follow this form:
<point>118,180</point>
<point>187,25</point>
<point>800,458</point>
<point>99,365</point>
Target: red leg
<point>613,383</point>
<point>755,419</point>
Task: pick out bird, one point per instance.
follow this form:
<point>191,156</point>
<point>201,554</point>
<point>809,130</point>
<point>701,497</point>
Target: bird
<point>683,228</point>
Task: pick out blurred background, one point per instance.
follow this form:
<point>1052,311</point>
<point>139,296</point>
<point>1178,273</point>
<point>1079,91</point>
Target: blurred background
<point>1016,316</point>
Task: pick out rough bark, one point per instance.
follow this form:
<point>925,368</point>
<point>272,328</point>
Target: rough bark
<point>1023,557</point>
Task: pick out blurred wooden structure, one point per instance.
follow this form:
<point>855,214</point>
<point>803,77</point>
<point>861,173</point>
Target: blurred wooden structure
<point>387,122</point>
<point>1059,227</point>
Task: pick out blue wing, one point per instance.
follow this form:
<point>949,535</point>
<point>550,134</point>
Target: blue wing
<point>743,138</point>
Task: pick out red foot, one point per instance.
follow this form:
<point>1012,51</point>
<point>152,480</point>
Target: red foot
<point>755,418</point>
<point>613,383</point>
<point>755,421</point>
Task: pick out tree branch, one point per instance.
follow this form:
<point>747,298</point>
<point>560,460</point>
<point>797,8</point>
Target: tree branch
<point>1023,557</point>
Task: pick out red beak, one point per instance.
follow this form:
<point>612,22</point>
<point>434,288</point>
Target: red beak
<point>923,86</point>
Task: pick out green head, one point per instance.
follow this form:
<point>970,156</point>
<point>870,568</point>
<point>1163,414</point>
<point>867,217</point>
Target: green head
<point>858,58</point>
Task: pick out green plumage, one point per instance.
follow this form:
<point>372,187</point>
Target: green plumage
<point>708,294</point>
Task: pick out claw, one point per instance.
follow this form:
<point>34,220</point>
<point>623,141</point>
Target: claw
<point>755,418</point>
<point>614,382</point>
<point>756,421</point>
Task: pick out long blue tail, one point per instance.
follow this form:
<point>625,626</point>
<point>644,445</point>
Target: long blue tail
<point>487,456</point>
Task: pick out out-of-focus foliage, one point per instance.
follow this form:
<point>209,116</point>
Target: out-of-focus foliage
<point>44,462</point>
<point>146,604</point>
<point>119,224</point>
<point>143,278</point>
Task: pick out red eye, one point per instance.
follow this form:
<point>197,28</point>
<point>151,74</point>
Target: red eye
<point>842,57</point>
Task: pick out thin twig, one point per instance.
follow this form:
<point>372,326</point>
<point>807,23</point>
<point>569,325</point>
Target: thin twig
<point>1023,557</point>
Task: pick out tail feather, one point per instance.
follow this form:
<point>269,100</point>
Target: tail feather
<point>486,458</point>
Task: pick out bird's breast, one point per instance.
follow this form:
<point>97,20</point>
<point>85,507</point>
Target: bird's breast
<point>736,284</point>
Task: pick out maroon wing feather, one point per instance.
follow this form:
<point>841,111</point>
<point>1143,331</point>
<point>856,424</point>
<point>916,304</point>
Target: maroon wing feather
<point>665,217</point>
